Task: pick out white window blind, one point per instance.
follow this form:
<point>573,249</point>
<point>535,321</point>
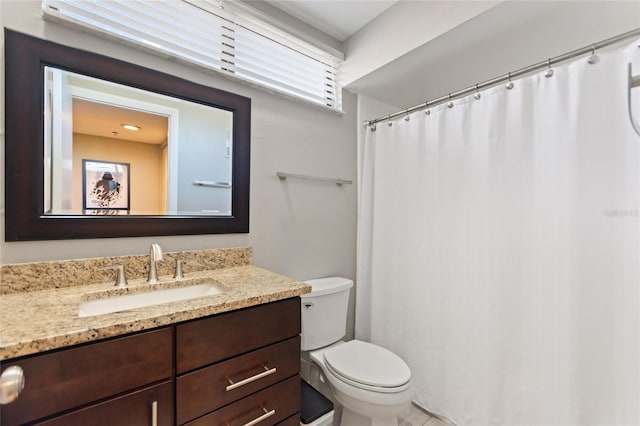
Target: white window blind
<point>216,35</point>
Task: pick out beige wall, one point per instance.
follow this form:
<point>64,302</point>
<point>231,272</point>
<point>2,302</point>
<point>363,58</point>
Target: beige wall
<point>146,167</point>
<point>300,229</point>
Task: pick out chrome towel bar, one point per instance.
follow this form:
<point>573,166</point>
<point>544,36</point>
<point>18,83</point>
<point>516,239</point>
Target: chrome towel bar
<point>211,184</point>
<point>338,181</point>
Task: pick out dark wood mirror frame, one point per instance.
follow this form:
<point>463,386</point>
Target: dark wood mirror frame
<point>25,59</point>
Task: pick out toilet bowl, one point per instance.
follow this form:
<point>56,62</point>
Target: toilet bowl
<point>366,379</point>
<point>371,383</point>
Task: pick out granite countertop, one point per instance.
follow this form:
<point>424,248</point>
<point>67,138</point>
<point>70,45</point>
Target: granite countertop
<point>38,321</point>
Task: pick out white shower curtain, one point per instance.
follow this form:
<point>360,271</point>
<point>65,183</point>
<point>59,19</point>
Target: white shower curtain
<point>498,249</point>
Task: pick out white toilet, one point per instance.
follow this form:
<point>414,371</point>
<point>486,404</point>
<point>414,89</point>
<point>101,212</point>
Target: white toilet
<point>372,383</point>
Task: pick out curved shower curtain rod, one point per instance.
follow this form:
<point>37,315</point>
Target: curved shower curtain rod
<point>507,77</point>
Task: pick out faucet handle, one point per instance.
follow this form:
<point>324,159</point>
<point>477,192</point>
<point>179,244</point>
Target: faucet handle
<point>156,252</point>
<point>178,274</point>
<point>121,279</point>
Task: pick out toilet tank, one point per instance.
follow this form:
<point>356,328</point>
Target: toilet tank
<point>324,312</point>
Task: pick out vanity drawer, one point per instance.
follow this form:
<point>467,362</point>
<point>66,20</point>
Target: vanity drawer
<point>200,342</point>
<point>205,390</point>
<point>131,409</point>
<point>273,404</point>
<point>72,377</point>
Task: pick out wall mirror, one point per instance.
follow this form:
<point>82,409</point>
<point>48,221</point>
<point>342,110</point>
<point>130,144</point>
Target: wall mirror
<point>97,147</point>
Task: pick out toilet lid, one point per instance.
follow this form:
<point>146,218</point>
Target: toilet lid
<point>368,364</point>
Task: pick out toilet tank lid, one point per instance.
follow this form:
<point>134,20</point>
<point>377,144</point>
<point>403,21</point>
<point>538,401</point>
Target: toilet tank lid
<point>321,286</point>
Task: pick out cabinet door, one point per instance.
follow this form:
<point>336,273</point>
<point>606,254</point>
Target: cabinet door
<point>209,388</point>
<point>66,379</point>
<point>265,408</point>
<point>148,407</point>
<point>203,342</point>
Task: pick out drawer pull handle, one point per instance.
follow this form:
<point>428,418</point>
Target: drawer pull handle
<point>267,372</point>
<point>154,413</point>
<point>257,420</point>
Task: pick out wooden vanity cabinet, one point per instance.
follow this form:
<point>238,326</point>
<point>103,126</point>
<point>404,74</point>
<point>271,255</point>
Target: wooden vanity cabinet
<point>229,369</point>
<point>96,378</point>
<point>240,366</point>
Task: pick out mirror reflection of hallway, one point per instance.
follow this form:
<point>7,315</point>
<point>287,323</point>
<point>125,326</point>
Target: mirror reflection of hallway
<point>172,145</point>
<point>98,134</point>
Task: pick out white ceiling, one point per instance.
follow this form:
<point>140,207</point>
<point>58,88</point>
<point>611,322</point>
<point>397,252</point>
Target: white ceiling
<point>97,119</point>
<point>337,18</point>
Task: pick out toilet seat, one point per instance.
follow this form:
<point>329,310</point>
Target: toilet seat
<point>368,366</point>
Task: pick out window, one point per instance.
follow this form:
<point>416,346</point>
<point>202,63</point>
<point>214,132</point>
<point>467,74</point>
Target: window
<point>217,35</point>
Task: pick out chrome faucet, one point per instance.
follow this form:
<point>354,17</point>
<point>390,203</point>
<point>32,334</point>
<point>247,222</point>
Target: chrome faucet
<point>155,254</point>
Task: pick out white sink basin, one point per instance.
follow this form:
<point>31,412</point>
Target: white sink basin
<point>140,300</point>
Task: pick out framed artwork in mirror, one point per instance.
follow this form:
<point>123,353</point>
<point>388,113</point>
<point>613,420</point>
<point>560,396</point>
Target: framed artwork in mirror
<point>105,187</point>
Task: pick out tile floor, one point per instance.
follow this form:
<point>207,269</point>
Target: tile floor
<point>415,416</point>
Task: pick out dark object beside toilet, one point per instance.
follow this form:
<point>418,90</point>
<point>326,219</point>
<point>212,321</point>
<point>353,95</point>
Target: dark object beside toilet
<point>314,406</point>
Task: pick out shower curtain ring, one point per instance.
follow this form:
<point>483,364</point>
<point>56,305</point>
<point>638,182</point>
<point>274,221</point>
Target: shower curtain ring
<point>427,111</point>
<point>407,118</point>
<point>389,122</point>
<point>450,103</point>
<point>477,95</point>
<point>593,59</point>
<point>509,85</point>
<point>549,72</point>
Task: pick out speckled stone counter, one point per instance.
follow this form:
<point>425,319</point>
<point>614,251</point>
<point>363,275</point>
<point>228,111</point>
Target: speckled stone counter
<point>44,319</point>
<point>68,273</point>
